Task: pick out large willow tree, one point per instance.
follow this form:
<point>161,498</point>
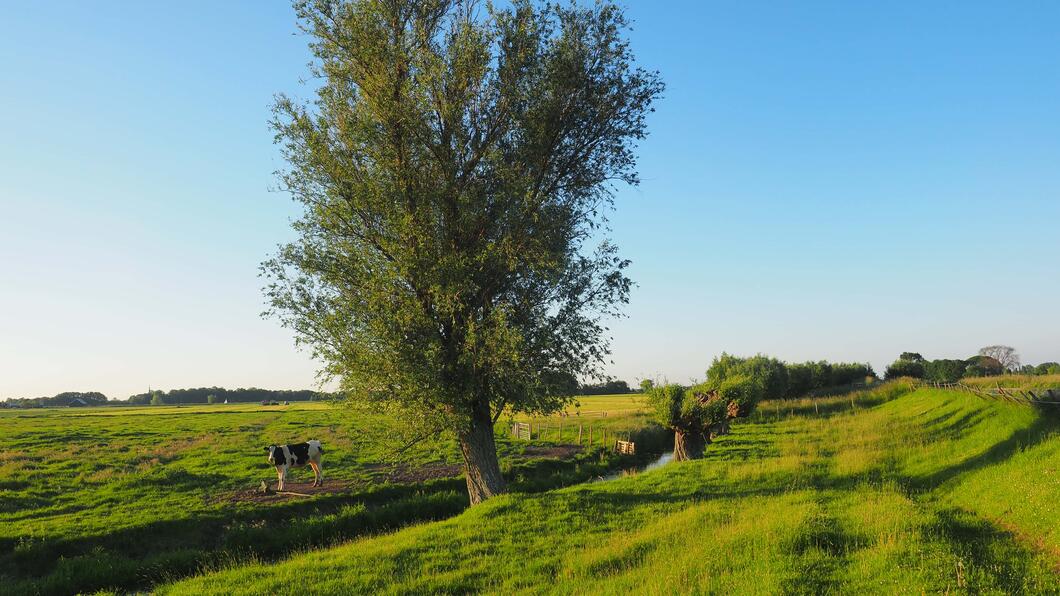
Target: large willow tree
<point>455,168</point>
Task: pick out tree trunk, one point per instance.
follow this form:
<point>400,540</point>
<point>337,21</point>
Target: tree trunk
<point>688,445</point>
<point>481,468</point>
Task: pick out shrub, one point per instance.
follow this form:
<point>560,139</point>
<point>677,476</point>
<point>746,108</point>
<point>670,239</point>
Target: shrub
<point>944,371</point>
<point>905,368</point>
<point>769,374</point>
<point>983,366</point>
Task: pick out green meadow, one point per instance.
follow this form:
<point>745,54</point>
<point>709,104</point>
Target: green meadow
<point>122,498</point>
<point>890,490</point>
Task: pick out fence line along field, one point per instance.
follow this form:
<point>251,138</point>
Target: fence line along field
<point>121,497</point>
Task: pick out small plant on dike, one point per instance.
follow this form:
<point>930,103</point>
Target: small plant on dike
<point>701,413</point>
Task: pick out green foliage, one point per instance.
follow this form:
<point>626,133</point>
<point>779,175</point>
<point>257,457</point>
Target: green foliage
<point>911,356</point>
<point>665,402</point>
<point>612,387</point>
<point>646,385</point>
<point>212,399</point>
<point>456,162</point>
<point>769,374</point>
<point>67,398</point>
<point>201,395</point>
<point>904,367</point>
<point>1047,368</point>
<point>944,371</point>
<point>780,380</point>
<point>744,390</point>
<point>700,409</point>
<point>983,366</point>
<point>157,398</point>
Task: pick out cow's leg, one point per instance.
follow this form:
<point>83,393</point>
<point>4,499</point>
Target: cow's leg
<point>318,478</point>
<point>279,478</point>
<point>283,476</point>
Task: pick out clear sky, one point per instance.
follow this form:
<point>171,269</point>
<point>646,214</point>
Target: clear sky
<point>822,180</point>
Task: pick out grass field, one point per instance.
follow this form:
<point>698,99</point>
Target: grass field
<point>892,490</point>
<point>125,497</point>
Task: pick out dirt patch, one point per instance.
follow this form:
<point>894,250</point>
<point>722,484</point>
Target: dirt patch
<point>292,490</point>
<point>381,473</point>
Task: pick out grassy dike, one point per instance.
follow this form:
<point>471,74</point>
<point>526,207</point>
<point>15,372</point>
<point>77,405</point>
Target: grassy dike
<point>890,490</point>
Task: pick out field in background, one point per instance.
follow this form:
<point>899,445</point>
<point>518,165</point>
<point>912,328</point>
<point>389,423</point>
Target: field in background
<point>122,497</point>
<point>890,490</point>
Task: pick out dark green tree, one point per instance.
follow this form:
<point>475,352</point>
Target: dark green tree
<point>454,166</point>
<point>983,366</point>
<point>905,367</point>
<point>943,370</point>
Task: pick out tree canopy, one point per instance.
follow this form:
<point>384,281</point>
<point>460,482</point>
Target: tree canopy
<point>455,170</point>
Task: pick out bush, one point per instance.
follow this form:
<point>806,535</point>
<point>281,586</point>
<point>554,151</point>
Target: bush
<point>944,371</point>
<point>1047,368</point>
<point>905,368</point>
<point>744,391</point>
<point>983,366</point>
<point>769,375</point>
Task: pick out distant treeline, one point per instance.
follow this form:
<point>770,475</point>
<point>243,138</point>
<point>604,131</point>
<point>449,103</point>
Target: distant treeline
<point>203,395</point>
<point>607,388</point>
<point>991,361</point>
<point>67,398</point>
<point>790,380</point>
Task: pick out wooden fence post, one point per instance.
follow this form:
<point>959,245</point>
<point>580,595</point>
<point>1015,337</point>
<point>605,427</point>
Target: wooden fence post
<point>579,434</point>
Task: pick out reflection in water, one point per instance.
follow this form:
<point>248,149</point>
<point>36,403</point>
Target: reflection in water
<point>658,463</point>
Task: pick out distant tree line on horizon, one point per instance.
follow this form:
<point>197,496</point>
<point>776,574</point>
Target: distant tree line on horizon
<point>66,398</point>
<point>200,395</point>
<point>204,395</point>
<point>990,361</point>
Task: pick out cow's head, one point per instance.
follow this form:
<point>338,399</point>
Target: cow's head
<point>271,450</point>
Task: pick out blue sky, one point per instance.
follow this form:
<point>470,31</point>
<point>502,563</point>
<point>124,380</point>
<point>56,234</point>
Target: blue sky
<point>822,180</point>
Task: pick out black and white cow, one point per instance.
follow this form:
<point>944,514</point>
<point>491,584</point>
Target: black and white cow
<point>285,457</point>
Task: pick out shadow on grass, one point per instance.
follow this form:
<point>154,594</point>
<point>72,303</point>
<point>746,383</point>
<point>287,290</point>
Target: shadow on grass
<point>988,558</point>
<point>138,557</point>
<point>1023,438</point>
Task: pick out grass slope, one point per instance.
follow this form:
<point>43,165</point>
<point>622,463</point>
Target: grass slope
<point>889,491</point>
<point>123,497</point>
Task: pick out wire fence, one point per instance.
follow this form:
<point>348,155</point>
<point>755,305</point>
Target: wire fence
<point>1023,397</point>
